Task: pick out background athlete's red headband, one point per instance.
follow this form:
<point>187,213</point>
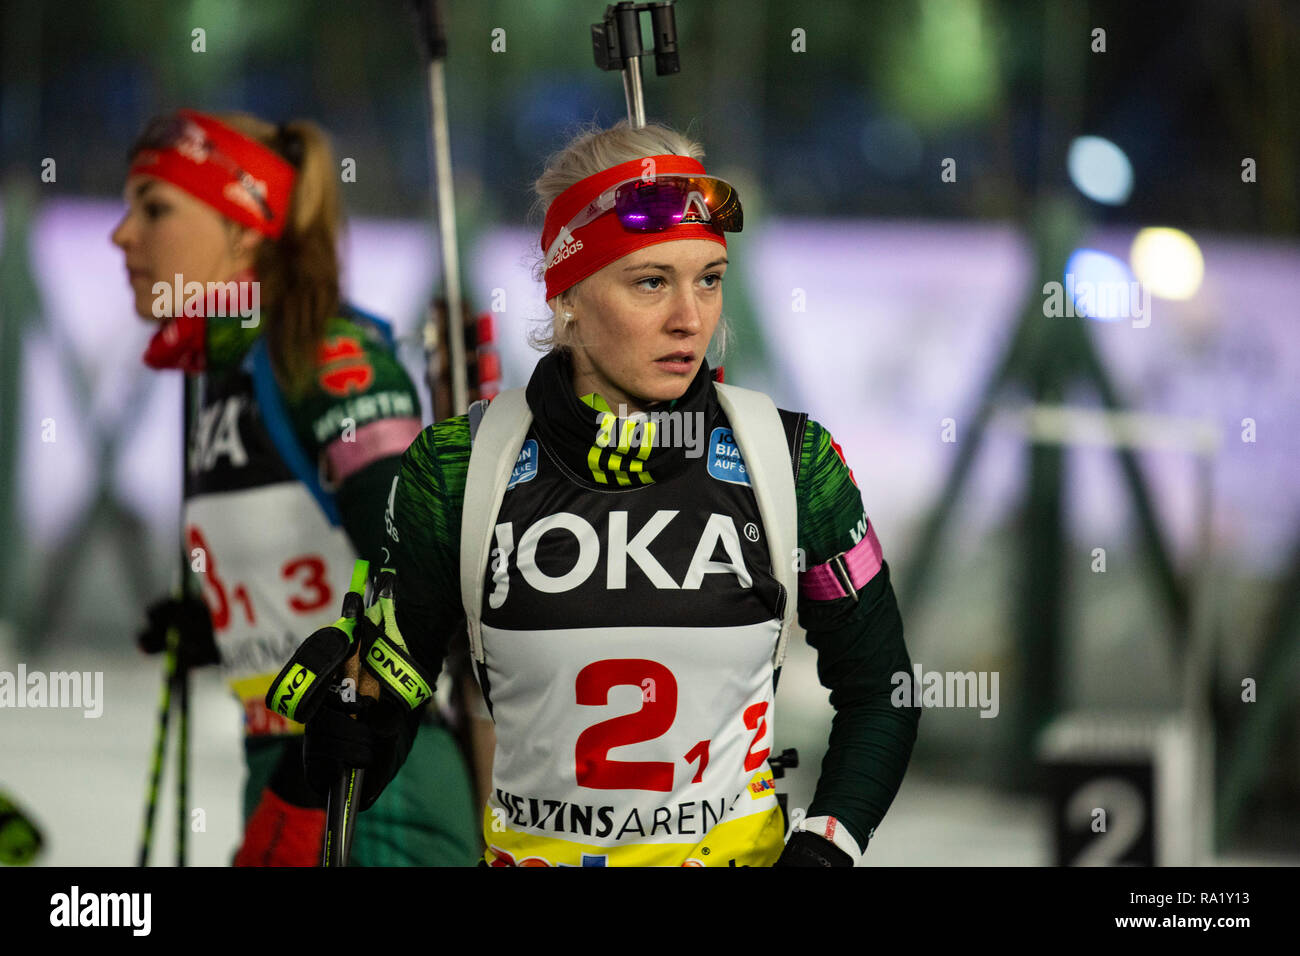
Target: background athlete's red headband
<point>604,239</point>
<point>235,175</point>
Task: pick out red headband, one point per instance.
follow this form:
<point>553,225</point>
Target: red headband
<point>190,163</point>
<point>604,239</point>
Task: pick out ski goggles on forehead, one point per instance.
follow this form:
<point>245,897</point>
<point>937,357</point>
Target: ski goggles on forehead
<point>186,137</point>
<point>654,205</point>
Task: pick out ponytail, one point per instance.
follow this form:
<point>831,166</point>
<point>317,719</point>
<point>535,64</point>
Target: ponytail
<point>299,272</point>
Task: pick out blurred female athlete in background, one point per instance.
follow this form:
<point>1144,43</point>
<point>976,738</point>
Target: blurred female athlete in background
<point>303,414</point>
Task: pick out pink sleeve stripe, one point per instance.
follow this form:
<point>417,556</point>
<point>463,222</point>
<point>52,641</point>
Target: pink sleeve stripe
<point>381,439</point>
<point>862,563</point>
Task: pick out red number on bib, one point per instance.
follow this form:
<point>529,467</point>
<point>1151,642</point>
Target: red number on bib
<point>699,752</point>
<point>754,721</point>
<point>214,593</point>
<point>659,707</point>
<point>315,580</point>
<point>241,595</point>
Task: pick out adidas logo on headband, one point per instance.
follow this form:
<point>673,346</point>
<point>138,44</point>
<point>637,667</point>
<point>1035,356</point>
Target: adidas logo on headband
<point>568,246</point>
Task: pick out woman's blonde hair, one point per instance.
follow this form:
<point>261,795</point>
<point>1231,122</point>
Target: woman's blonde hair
<point>589,151</point>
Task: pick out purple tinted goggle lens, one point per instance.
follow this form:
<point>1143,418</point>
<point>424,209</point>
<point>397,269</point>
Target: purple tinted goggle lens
<point>669,201</point>
<point>657,204</point>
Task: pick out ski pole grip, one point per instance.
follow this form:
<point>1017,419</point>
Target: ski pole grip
<point>628,18</point>
<point>431,28</point>
<point>354,601</point>
<point>386,654</point>
<point>302,683</point>
<point>663,24</point>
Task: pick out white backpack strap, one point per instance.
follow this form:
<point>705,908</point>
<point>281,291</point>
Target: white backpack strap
<point>760,436</point>
<point>495,445</point>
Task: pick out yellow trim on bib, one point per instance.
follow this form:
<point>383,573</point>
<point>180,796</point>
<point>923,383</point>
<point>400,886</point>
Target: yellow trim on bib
<point>753,840</point>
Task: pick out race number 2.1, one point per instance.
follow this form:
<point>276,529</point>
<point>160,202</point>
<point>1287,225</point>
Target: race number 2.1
<point>659,707</point>
<point>593,766</point>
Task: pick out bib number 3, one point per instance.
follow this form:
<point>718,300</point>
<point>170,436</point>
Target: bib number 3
<point>307,573</point>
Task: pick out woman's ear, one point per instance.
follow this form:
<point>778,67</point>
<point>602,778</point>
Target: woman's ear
<point>244,241</point>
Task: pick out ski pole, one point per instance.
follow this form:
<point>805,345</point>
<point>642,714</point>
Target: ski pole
<point>341,814</point>
<point>344,798</point>
<point>175,676</point>
<point>182,671</point>
<point>616,44</point>
<point>159,748</point>
<point>182,761</point>
<point>433,37</point>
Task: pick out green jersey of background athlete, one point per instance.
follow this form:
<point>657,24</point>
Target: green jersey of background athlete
<point>272,560</point>
<point>859,642</point>
<point>288,390</point>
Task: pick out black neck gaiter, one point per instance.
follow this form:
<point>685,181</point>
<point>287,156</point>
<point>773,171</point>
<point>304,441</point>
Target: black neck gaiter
<point>602,449</point>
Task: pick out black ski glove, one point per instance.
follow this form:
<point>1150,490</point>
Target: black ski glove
<point>376,741</point>
<point>808,849</point>
<point>374,735</point>
<point>189,615</point>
